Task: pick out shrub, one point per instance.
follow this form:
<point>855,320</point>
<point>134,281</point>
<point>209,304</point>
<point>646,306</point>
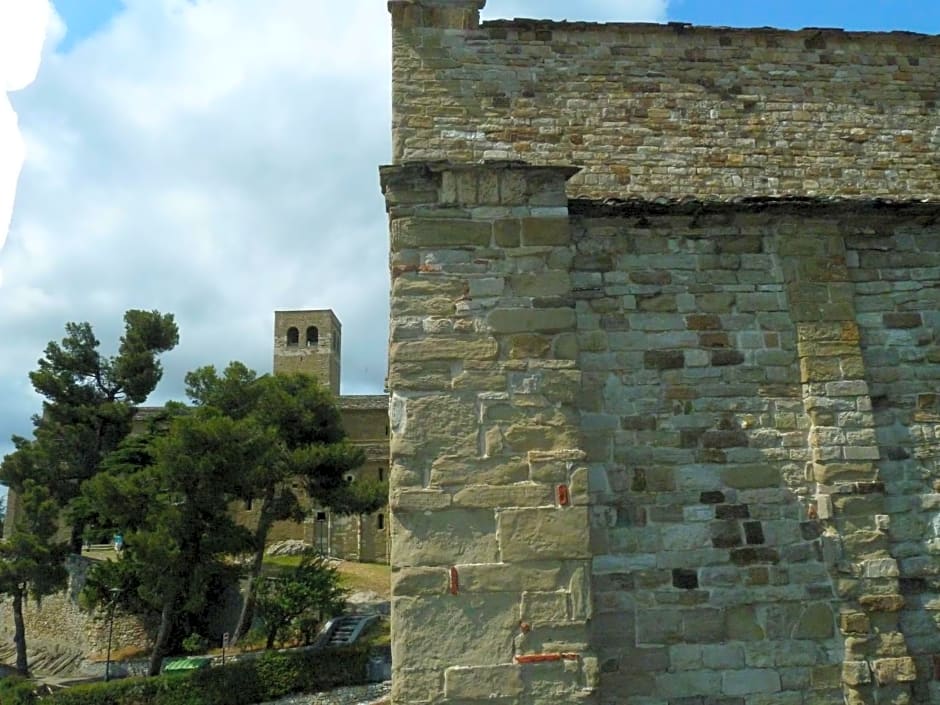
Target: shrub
<point>16,690</point>
<point>273,675</point>
<point>195,644</point>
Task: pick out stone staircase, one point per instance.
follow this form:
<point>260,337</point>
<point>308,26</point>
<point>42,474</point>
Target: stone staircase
<point>345,630</point>
<point>52,662</point>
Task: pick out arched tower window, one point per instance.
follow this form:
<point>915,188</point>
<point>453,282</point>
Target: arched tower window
<point>313,336</point>
<point>293,336</point>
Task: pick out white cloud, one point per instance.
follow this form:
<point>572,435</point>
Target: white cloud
<point>214,159</point>
<point>23,25</point>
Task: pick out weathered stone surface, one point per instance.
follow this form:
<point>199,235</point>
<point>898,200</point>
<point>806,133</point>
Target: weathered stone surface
<point>744,379</point>
<point>894,670</point>
<point>524,494</point>
<point>443,348</point>
<point>535,320</point>
<point>503,577</point>
<point>751,476</point>
<point>454,432</point>
<point>420,581</point>
<point>450,232</point>
<point>750,680</point>
<point>444,537</point>
<point>490,683</point>
<point>816,622</point>
<point>545,607</point>
<point>480,633</point>
<point>542,533</point>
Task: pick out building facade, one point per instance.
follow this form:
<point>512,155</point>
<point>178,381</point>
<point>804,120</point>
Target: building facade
<point>664,355</point>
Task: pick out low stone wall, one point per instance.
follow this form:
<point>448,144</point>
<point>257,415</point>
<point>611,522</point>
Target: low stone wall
<point>58,625</point>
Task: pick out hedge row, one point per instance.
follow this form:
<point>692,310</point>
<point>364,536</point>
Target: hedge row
<point>269,677</point>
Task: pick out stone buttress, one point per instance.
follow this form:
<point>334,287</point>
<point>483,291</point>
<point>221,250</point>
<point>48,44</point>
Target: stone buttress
<point>490,530</point>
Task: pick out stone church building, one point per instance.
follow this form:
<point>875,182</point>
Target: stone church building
<point>664,363</point>
<point>310,342</point>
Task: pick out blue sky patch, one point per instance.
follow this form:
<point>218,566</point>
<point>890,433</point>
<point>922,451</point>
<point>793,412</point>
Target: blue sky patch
<point>83,18</point>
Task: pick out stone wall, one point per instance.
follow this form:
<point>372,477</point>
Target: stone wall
<point>653,110</point>
<point>663,451</point>
<point>58,627</point>
<point>647,453</point>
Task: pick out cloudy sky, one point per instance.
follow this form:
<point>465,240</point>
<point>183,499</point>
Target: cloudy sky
<point>218,160</point>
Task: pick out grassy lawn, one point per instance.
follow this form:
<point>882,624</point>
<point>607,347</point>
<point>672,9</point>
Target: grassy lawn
<point>372,577</point>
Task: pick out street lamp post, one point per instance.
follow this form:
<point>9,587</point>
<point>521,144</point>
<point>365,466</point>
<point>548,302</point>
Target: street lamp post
<point>107,666</point>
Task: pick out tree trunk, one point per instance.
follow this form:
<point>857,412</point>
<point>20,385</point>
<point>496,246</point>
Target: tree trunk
<point>76,540</point>
<point>163,635</point>
<point>19,637</point>
<point>247,614</point>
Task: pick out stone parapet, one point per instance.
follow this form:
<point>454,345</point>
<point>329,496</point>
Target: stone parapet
<point>670,110</point>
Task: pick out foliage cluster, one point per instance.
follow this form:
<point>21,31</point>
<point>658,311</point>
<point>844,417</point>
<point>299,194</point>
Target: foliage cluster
<point>167,488</point>
<point>292,605</point>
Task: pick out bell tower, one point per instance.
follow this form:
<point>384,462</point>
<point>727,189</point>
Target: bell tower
<point>309,342</point>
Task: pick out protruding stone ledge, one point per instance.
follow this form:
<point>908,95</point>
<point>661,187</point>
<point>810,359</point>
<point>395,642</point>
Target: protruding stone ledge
<point>489,183</point>
<point>441,14</point>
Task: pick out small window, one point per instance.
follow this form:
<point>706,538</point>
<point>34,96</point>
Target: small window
<point>321,516</point>
<point>386,430</point>
<point>381,521</point>
<point>381,474</point>
<point>313,337</point>
<point>293,336</point>
<point>248,504</point>
<point>349,478</point>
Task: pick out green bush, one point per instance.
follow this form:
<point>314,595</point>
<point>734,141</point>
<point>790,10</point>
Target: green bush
<point>16,690</point>
<point>272,675</point>
<point>195,644</point>
<point>132,691</point>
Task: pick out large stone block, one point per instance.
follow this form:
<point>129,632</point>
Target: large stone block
<point>894,670</point>
<point>432,425</point>
<point>479,630</point>
<point>441,347</point>
<point>505,577</point>
<point>450,470</point>
<point>443,537</point>
<point>540,608</point>
<point>750,680</point>
<point>531,320</point>
<point>490,683</point>
<point>544,533</point>
<point>751,476</point>
<point>413,233</point>
<point>523,494</point>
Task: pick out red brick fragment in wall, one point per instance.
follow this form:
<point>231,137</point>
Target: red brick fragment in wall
<point>542,658</point>
<point>564,498</point>
<point>454,581</point>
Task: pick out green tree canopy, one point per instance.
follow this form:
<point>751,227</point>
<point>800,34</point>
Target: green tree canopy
<point>88,404</point>
<point>310,446</point>
<point>168,492</point>
<point>31,561</point>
